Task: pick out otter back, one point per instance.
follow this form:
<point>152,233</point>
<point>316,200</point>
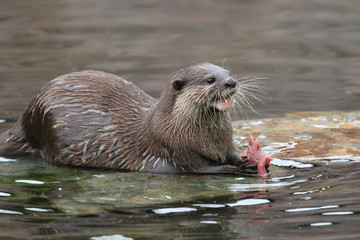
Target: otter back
<point>77,119</point>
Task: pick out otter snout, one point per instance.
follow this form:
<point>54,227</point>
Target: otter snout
<point>230,83</point>
<point>226,100</point>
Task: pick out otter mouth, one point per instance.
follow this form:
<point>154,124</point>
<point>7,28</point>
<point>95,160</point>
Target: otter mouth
<point>224,103</point>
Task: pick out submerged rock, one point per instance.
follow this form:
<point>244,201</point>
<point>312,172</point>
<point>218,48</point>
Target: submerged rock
<point>292,140</point>
<point>306,136</point>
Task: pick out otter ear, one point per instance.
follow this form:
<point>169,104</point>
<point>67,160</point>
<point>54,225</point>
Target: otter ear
<point>178,84</point>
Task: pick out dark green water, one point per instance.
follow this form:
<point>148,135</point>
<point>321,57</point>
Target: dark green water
<point>41,201</point>
<point>308,50</point>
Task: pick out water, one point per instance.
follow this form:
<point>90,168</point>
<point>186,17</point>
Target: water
<point>41,200</point>
<point>308,50</point>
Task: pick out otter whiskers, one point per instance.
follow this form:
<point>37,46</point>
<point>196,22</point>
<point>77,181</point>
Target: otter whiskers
<point>250,89</point>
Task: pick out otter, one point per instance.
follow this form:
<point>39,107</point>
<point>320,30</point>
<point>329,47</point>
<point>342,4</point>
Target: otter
<point>96,119</point>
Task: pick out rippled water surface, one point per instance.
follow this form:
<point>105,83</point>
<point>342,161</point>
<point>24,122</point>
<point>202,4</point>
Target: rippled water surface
<point>308,50</point>
<point>40,200</point>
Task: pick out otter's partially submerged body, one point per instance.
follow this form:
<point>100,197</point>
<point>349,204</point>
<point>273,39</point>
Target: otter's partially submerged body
<point>97,119</point>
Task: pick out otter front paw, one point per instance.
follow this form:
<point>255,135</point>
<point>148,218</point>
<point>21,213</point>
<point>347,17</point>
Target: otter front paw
<point>250,167</point>
<point>252,161</point>
<point>244,166</point>
<point>247,167</point>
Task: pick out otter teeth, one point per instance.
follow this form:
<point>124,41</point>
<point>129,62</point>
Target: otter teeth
<point>224,104</point>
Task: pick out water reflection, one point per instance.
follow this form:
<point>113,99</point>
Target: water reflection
<point>80,199</point>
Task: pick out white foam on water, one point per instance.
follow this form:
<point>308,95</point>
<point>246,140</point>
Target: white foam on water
<point>249,202</point>
<point>310,208</point>
<point>5,160</point>
<point>290,163</point>
<point>277,179</point>
<point>337,213</point>
<point>320,224</point>
<point>209,205</point>
<point>29,181</point>
<point>39,210</point>
<point>209,222</point>
<point>111,237</point>
<point>4,211</point>
<point>247,187</point>
<point>174,210</point>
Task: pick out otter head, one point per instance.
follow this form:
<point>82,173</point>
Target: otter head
<point>204,86</point>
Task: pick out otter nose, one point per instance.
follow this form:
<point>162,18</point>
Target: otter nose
<point>230,83</point>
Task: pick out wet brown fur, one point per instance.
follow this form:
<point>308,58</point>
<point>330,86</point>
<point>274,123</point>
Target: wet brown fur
<point>97,119</point>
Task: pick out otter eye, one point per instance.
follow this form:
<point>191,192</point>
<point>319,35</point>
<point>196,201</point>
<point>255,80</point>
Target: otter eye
<point>210,80</point>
